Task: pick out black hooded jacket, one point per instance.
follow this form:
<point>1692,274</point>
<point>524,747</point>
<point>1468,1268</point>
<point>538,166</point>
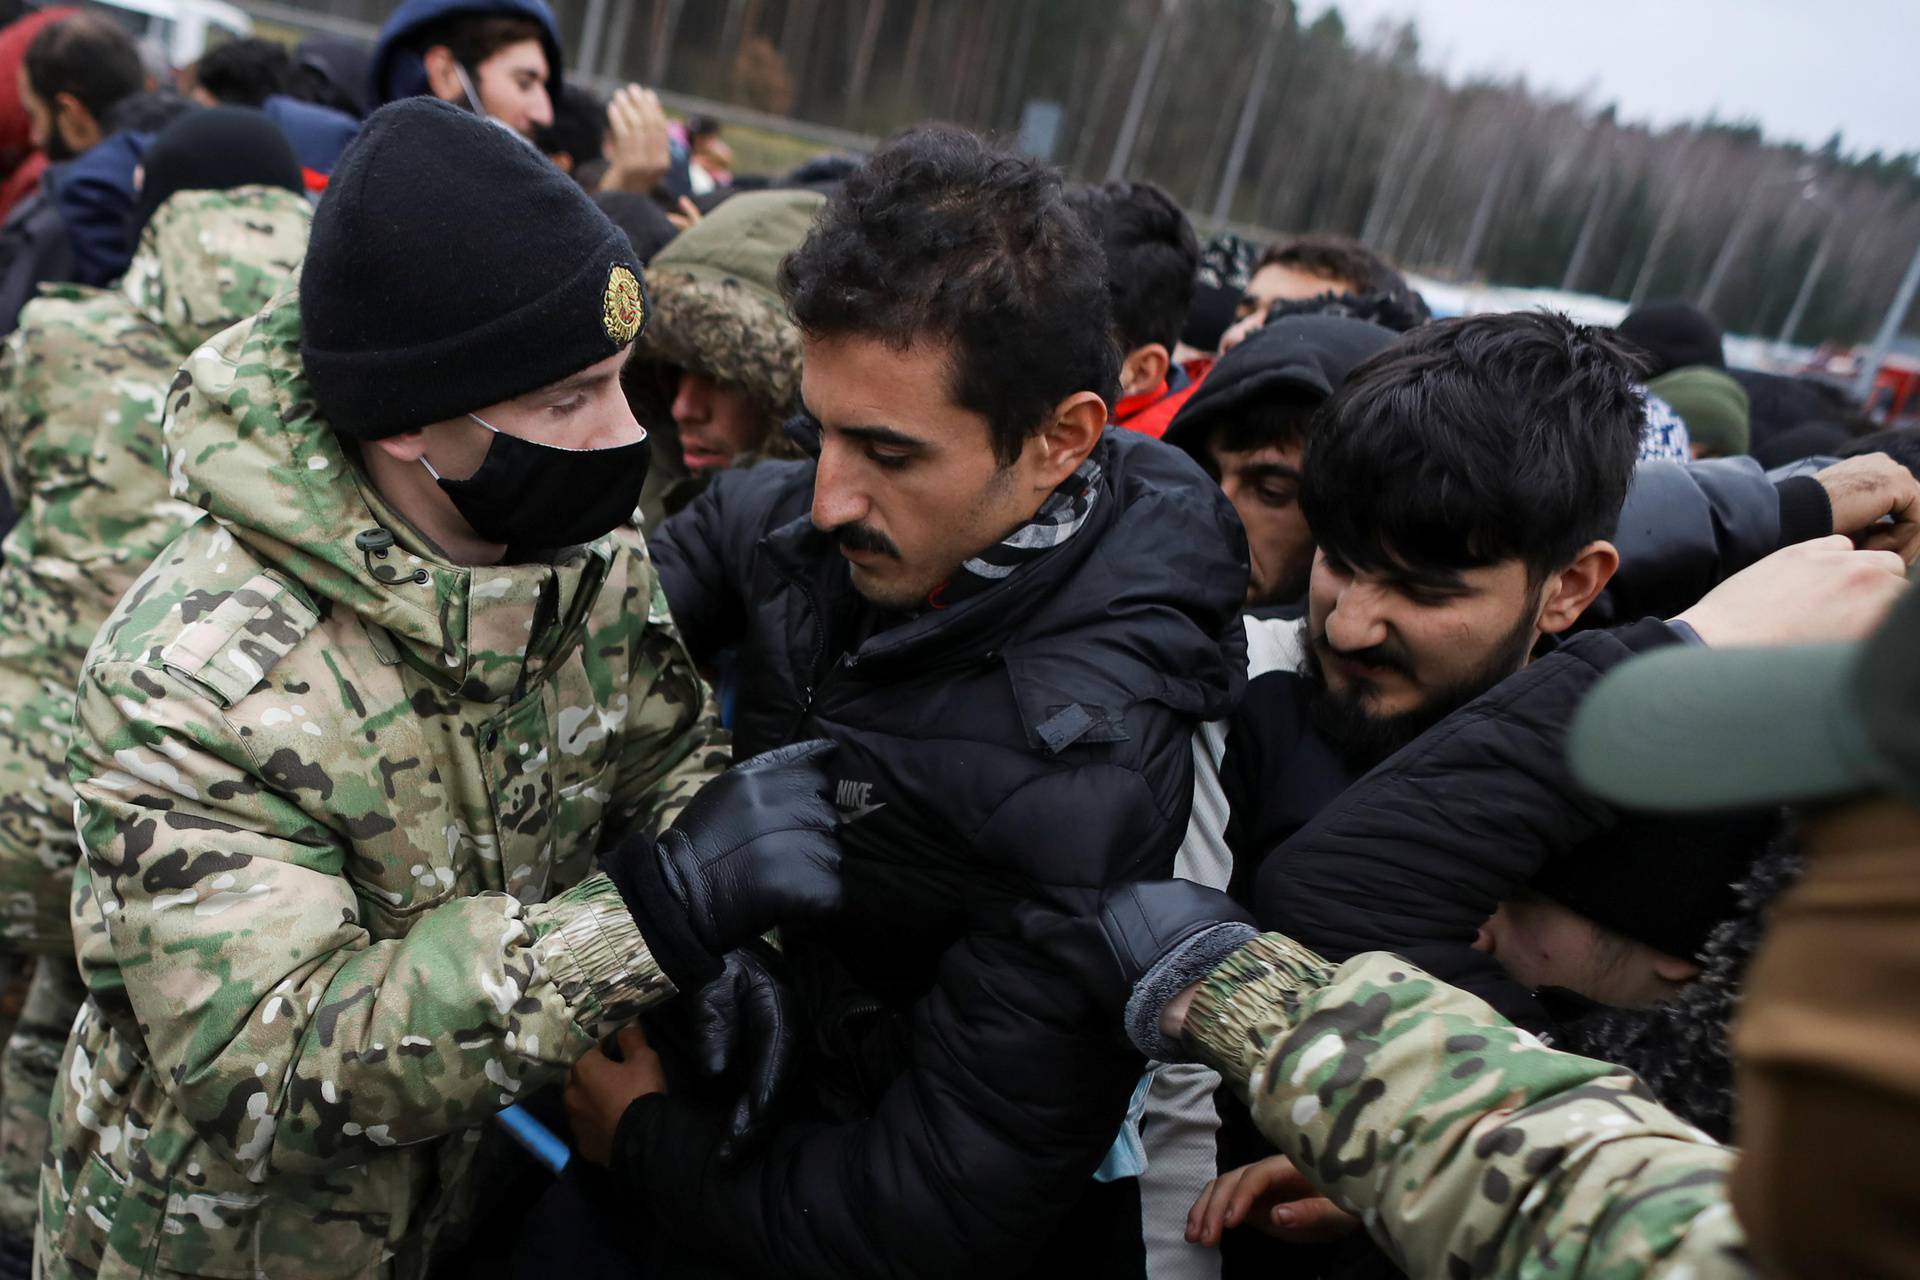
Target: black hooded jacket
<point>1413,857</point>
<point>1298,360</point>
<point>1030,741</point>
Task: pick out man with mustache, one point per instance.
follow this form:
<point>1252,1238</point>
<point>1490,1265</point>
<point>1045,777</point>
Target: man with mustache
<point>1011,620</point>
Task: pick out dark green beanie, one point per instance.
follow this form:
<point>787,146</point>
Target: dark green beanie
<point>1713,406</point>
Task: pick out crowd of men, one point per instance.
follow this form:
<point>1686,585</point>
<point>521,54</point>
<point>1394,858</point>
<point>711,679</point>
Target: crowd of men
<point>564,709</point>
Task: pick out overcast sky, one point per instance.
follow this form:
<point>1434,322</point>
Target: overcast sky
<point>1802,68</point>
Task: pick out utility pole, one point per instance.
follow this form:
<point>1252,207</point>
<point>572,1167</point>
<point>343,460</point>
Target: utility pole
<point>1800,300</point>
<point>1589,228</point>
<point>587,58</point>
<point>1889,330</point>
<point>1249,114</point>
<point>1483,215</point>
<point>613,61</point>
<point>1142,90</point>
<point>666,24</point>
<point>1723,261</point>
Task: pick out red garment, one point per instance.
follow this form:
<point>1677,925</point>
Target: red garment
<point>18,160</point>
<point>1150,412</point>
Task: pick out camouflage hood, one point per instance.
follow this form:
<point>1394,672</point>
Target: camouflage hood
<point>245,443</point>
<point>209,259</point>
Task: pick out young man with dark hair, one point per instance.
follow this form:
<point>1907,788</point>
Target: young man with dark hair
<point>1249,424</point>
<point>1464,487</point>
<point>498,58</point>
<point>1152,255</point>
<point>1325,275</point>
<point>79,75</point>
<point>1313,265</point>
<point>242,73</point>
<point>258,73</point>
<point>1462,494</point>
<point>1011,619</point>
<point>75,71</point>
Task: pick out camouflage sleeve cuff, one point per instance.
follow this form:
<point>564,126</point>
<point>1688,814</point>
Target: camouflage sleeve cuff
<point>598,959</point>
<point>1234,1013</point>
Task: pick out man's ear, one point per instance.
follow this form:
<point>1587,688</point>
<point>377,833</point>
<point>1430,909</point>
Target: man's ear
<point>408,446</point>
<point>1570,591</point>
<point>1058,448</point>
<point>443,81</point>
<point>1144,369</point>
<point>78,129</point>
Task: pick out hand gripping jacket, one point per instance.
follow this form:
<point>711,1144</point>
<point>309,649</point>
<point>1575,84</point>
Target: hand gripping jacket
<point>339,801</point>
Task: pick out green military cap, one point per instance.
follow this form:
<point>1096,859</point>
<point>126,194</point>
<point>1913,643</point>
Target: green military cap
<point>1688,729</point>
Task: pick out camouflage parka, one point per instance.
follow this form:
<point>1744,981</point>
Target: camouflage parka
<point>1465,1145</point>
<point>339,801</point>
<point>82,382</point>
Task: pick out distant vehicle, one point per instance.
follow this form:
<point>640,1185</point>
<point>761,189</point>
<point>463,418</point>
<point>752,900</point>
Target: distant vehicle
<point>180,29</point>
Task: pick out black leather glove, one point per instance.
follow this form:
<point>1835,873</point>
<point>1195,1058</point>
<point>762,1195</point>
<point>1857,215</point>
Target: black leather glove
<point>1148,942</point>
<point>745,1031</point>
<point>755,848</point>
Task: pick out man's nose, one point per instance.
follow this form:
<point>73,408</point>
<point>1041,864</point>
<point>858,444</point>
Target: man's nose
<point>1357,621</point>
<point>690,401</point>
<point>621,427</point>
<point>837,497</point>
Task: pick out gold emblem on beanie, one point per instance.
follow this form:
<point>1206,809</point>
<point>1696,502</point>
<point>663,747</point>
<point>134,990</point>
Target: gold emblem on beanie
<point>624,308</point>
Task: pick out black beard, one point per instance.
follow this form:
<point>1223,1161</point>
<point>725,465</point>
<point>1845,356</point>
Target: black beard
<point>1362,739</point>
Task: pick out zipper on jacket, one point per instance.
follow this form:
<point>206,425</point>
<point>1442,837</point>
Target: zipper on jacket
<point>815,677</point>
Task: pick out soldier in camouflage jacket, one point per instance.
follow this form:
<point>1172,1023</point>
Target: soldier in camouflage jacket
<point>340,793</point>
<point>81,388</point>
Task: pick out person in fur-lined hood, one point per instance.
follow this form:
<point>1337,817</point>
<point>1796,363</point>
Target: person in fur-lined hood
<point>718,370</point>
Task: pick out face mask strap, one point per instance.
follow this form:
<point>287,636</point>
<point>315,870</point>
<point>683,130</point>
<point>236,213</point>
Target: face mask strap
<point>473,94</point>
<point>477,418</point>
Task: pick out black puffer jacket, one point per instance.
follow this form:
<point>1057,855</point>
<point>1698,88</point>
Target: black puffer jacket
<point>1686,528</point>
<point>1032,740</point>
<point>1416,855</point>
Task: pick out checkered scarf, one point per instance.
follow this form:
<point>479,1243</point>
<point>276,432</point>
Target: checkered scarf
<point>1058,519</point>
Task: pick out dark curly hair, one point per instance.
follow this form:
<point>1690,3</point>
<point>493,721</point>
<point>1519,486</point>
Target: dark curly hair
<point>245,73</point>
<point>1337,260</point>
<point>1399,312</point>
<point>940,237</point>
<point>1152,255</point>
<point>1474,441</point>
<point>89,56</point>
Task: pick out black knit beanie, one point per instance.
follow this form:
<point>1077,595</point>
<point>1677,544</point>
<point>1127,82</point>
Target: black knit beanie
<point>452,267</point>
<point>1664,881</point>
<point>1675,335</point>
<point>215,149</point>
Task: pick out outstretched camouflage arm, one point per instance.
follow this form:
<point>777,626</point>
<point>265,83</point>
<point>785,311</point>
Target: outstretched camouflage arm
<point>1466,1146</point>
<point>289,1038</point>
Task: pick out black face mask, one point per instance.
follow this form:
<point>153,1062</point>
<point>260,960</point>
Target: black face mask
<point>540,495</point>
